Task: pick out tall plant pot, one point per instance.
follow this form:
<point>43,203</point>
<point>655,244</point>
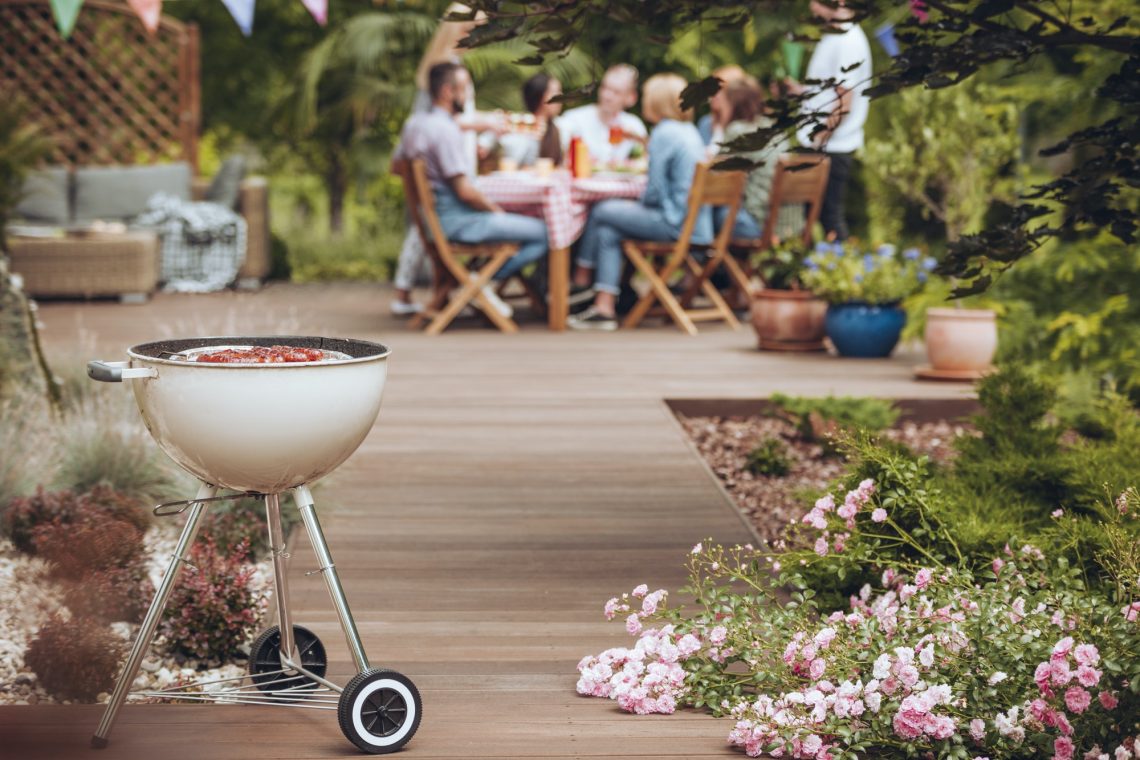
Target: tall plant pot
<point>788,320</point>
<point>864,330</point>
<point>960,344</point>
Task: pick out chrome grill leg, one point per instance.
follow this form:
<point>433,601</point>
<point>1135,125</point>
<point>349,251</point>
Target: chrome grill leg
<point>280,582</point>
<point>304,500</point>
<point>153,616</point>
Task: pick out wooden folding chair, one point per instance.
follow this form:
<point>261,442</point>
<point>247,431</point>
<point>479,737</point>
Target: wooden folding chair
<point>790,187</point>
<point>461,270</point>
<point>712,188</point>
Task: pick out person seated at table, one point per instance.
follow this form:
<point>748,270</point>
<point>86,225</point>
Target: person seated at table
<point>544,141</point>
<point>745,98</point>
<point>465,215</point>
<point>608,131</point>
<point>712,124</point>
<point>675,149</point>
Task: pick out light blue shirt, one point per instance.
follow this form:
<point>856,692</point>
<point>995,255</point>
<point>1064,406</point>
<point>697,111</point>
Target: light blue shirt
<point>675,148</point>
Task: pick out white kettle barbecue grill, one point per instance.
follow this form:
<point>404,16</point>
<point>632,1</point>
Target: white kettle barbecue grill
<point>263,430</point>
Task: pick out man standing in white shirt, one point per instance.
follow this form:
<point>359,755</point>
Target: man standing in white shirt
<point>843,56</point>
<point>608,131</point>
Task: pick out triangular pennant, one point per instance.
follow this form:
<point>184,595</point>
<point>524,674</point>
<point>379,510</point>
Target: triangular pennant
<point>319,9</point>
<point>242,11</point>
<point>66,12</point>
<point>150,11</point>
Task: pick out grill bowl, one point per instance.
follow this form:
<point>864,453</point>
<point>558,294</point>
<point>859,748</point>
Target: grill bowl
<point>259,427</point>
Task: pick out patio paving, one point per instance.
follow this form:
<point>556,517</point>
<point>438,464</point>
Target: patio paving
<point>512,484</point>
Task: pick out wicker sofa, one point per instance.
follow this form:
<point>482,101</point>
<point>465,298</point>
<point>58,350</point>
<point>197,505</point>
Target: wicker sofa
<point>59,256</point>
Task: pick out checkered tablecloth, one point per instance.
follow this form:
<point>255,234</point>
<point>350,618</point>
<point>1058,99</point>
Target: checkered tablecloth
<point>561,201</point>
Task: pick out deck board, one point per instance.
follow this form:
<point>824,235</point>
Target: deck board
<point>510,486</point>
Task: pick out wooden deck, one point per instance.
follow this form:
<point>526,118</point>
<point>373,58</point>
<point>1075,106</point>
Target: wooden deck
<point>512,484</point>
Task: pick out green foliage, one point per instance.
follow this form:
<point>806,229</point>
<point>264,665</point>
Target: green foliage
<point>839,273</point>
<point>848,412</point>
<point>22,146</point>
<point>951,152</point>
<point>781,267</point>
<point>770,458</point>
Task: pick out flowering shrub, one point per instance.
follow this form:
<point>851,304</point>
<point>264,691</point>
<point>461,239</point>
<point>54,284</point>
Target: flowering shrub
<point>883,276</point>
<point>1023,658</point>
<point>214,606</point>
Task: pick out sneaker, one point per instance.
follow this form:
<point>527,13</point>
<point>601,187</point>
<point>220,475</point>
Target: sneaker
<point>497,303</point>
<point>591,319</point>
<point>580,294</point>
<point>405,308</point>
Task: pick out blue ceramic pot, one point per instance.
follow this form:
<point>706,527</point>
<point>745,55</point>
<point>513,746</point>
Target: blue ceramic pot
<point>865,330</point>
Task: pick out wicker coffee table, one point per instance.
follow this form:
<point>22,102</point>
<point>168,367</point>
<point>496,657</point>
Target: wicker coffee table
<point>87,264</point>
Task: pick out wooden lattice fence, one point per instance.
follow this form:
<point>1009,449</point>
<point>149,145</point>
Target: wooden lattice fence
<point>112,93</point>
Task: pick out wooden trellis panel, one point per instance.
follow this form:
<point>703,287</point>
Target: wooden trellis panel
<point>112,93</point>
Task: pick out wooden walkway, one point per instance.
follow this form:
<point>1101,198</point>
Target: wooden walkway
<point>511,485</point>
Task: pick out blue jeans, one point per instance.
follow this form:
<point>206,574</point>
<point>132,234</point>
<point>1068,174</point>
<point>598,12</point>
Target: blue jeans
<point>745,228</point>
<point>463,224</point>
<point>610,222</point>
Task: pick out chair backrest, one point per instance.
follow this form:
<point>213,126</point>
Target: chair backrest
<point>792,185</point>
<point>423,211</point>
<point>710,188</point>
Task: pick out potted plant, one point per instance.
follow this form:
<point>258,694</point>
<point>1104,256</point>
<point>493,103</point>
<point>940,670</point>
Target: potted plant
<point>864,291</point>
<point>785,315</point>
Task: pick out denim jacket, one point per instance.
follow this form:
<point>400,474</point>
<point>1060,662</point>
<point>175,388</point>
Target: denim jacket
<point>675,149</point>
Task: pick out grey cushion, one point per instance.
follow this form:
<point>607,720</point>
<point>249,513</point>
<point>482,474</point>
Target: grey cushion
<point>226,185</point>
<point>121,192</point>
<point>44,197</point>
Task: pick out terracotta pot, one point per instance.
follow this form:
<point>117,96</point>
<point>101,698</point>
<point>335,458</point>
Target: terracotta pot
<point>788,320</point>
<point>961,342</point>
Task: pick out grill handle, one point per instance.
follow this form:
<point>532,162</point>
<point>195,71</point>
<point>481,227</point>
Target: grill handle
<point>117,372</point>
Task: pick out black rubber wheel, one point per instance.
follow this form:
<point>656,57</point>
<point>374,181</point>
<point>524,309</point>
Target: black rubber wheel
<point>379,711</point>
<point>265,658</point>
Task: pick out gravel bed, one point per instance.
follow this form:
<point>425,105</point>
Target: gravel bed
<point>770,502</point>
<point>29,596</point>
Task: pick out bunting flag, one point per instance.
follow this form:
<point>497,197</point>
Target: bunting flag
<point>66,12</point>
<point>242,11</point>
<point>319,9</point>
<point>149,11</point>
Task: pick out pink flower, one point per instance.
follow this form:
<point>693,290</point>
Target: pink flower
<point>1063,748</point>
<point>688,645</point>
<point>611,608</point>
<point>824,638</point>
<point>1107,700</point>
<point>811,745</point>
<point>818,666</point>
<point>1059,672</point>
<point>922,578</point>
<point>1077,699</point>
<point>978,730</point>
<point>641,591</point>
<point>825,503</point>
<point>1131,612</point>
<point>848,510</point>
<point>1088,676</point>
<point>926,656</point>
<point>1062,648</point>
<point>815,519</point>
<point>633,624</point>
<point>718,634</point>
<point>879,515</point>
<point>821,547</point>
<point>1057,512</point>
<point>998,564</point>
<point>1086,654</point>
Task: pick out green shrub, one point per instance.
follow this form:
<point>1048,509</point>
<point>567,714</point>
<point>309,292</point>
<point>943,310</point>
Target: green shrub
<point>214,608</point>
<point>770,458</point>
<point>25,515</point>
<point>74,659</point>
<point>819,419</point>
<point>27,446</point>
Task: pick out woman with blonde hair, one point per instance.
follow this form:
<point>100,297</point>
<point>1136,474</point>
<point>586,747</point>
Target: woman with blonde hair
<point>675,149</point>
<point>712,125</point>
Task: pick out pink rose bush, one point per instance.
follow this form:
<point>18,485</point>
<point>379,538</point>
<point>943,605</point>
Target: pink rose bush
<point>1014,657</point>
